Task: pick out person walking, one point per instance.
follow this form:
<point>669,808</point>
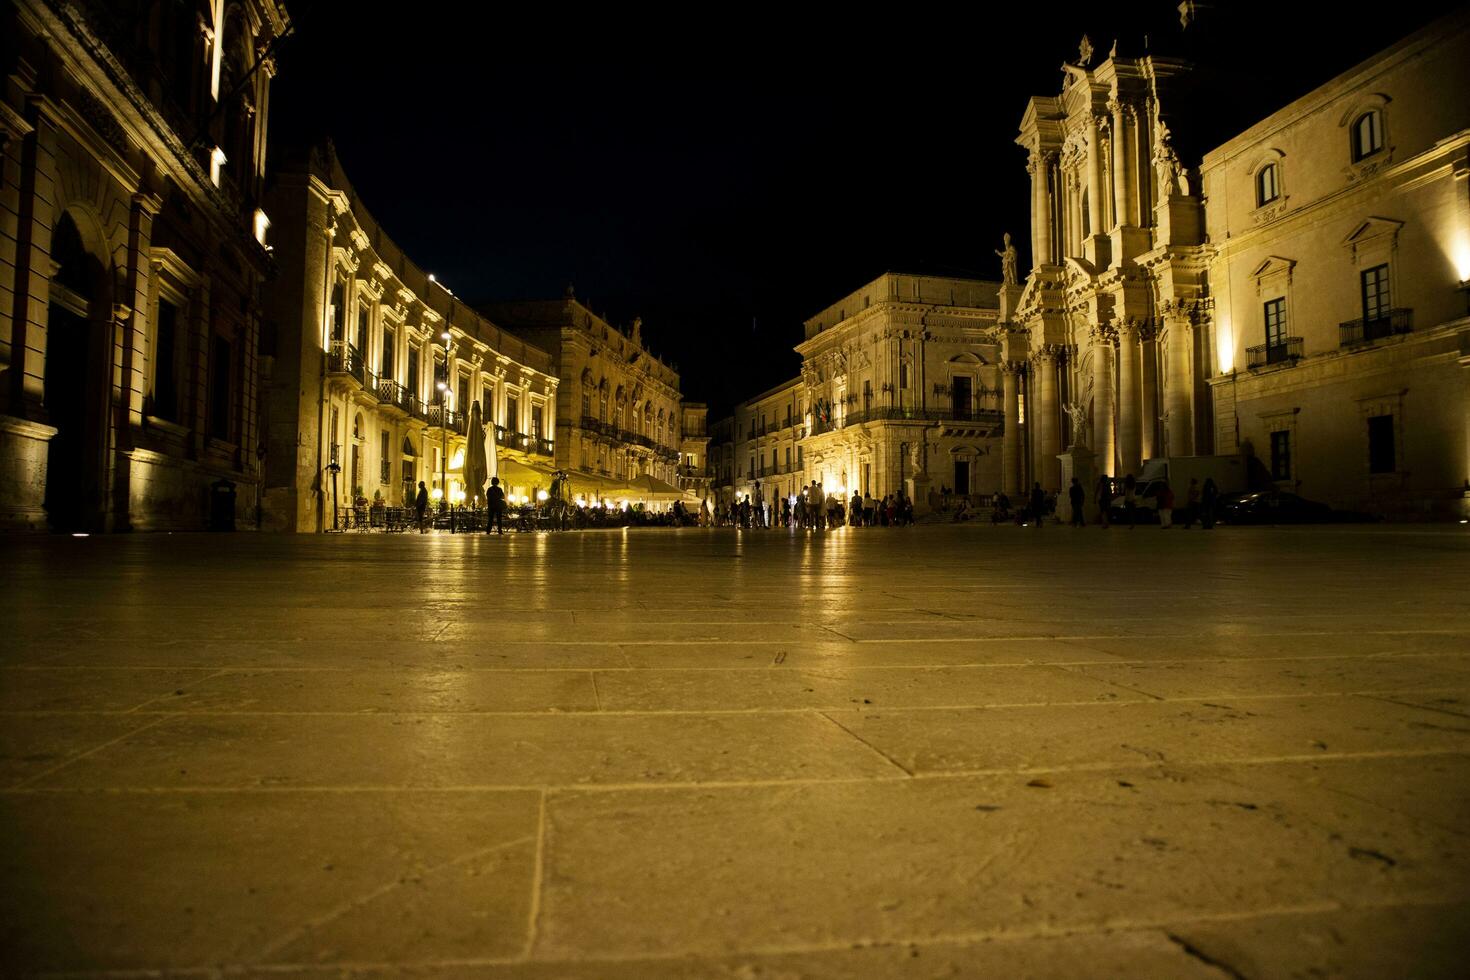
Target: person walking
<point>1191,504</point>
<point>1130,499</point>
<point>496,498</point>
<point>1038,504</point>
<point>421,507</point>
<point>1076,496</point>
<point>1166,506</point>
<point>1209,499</point>
<point>1104,500</point>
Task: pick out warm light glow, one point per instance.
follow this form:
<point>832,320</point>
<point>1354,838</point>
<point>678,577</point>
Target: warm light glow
<point>1224,345</point>
<point>431,277</point>
<point>262,224</point>
<point>436,494</point>
<point>444,336</point>
<point>457,460</point>
<point>542,496</point>
<point>581,501</point>
<point>443,386</point>
<point>80,535</point>
<point>216,161</point>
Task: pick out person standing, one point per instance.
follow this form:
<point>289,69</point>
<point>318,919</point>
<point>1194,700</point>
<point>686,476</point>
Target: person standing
<point>1104,499</point>
<point>855,518</point>
<point>1130,499</point>
<point>421,507</point>
<point>1209,499</point>
<point>496,498</point>
<point>1076,496</point>
<point>1038,504</point>
<point>1191,504</point>
<point>1166,506</point>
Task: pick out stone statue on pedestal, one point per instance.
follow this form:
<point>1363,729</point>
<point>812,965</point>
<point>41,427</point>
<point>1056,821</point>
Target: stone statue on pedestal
<point>1008,262</point>
<point>1077,411</point>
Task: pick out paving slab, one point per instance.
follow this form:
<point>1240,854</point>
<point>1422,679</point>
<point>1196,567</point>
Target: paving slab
<point>931,752</point>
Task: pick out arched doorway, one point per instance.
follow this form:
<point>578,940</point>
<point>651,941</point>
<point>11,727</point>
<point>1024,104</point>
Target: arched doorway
<point>75,390</point>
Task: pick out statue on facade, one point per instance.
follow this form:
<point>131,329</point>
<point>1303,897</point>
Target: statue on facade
<point>916,458</point>
<point>638,331</point>
<point>1077,411</point>
<point>1171,173</point>
<point>1008,262</point>
<point>1084,51</point>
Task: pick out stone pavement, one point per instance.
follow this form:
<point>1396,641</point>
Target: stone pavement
<point>928,752</point>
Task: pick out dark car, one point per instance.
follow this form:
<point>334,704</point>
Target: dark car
<point>1281,507</point>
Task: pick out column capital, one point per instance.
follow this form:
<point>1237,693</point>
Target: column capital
<point>1103,335</point>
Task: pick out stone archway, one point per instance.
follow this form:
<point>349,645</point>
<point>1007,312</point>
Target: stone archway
<point>77,381</point>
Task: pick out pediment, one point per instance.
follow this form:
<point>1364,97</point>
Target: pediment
<point>1372,229</point>
<point>966,357</point>
<point>1274,265</point>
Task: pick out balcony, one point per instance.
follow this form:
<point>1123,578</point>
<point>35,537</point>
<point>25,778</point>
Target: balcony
<point>394,395</point>
<point>1287,350</point>
<point>344,360</point>
<point>1389,324</point>
<point>440,417</point>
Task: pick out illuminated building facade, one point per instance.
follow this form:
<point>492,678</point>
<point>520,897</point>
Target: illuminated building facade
<point>374,367</point>
<point>132,251</point>
<point>1339,266</point>
<point>766,433</point>
<point>901,389</point>
<point>694,446</point>
<point>619,410</point>
<point>1108,346</point>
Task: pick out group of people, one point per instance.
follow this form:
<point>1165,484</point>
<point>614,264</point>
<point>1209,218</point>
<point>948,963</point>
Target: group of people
<point>812,509</point>
<point>1201,502</point>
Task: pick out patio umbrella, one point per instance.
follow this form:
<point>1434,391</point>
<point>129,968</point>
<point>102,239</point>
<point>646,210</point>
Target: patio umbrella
<point>650,487</point>
<point>475,472</point>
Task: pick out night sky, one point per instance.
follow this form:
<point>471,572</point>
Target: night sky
<point>726,172</point>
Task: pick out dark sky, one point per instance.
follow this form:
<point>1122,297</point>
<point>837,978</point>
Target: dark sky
<point>726,172</point>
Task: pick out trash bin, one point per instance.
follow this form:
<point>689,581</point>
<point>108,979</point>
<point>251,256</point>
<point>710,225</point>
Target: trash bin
<point>222,505</point>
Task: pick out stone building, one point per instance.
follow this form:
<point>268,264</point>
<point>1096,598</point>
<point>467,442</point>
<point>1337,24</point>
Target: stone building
<point>618,412</point>
<point>1109,342</point>
<point>693,470</point>
<point>132,249</point>
<point>374,367</point>
<point>1339,264</point>
<point>721,467</point>
<point>766,434</point>
<point>901,389</point>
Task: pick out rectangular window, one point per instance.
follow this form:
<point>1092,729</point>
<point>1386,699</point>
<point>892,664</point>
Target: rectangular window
<point>1281,455</point>
<point>414,385</point>
<point>1381,458</point>
<point>385,364</point>
<point>165,381</point>
<point>385,465</point>
<point>586,405</point>
<point>798,457</point>
<point>462,394</point>
<point>536,432</point>
<point>788,457</point>
<point>1375,293</point>
<point>1276,323</point>
<point>512,413</point>
<point>219,388</point>
<point>750,472</point>
<point>362,330</point>
<point>903,376</point>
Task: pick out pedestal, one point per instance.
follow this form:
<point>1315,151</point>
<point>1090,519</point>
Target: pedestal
<point>918,490</point>
<point>1081,462</point>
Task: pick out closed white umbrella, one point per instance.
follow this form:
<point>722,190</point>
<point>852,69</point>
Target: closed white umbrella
<point>475,475</point>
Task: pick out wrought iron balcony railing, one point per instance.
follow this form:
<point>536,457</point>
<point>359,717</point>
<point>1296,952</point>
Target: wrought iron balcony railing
<point>1287,350</point>
<point>1366,329</point>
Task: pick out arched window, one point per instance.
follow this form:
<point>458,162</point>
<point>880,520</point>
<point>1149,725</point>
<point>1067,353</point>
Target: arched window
<point>1367,134</point>
<point>1268,185</point>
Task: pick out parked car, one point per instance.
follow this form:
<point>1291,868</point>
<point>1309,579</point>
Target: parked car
<point>1281,507</point>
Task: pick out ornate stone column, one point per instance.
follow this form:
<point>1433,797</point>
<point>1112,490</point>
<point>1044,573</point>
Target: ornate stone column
<point>1047,423</point>
<point>1010,445</point>
<point>1121,211</point>
<point>1148,349</point>
<point>1130,402</point>
<point>1102,397</point>
<point>1040,168</point>
<point>1178,386</point>
<point>1094,179</point>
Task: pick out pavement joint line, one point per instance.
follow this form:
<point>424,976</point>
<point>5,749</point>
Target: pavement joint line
<point>568,789</point>
<point>884,755</point>
<point>555,712</point>
<point>538,874</point>
<point>1160,924</point>
<point>1111,661</point>
<point>1069,670</point>
<point>596,695</point>
<point>1386,698</point>
<point>292,935</point>
<point>715,641</point>
<point>78,757</point>
<point>138,708</point>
